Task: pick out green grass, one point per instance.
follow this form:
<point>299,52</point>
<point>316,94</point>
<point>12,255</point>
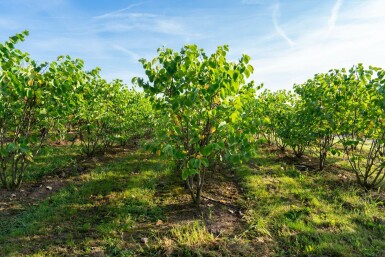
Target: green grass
<point>311,213</point>
<point>51,158</point>
<point>111,208</point>
<point>87,215</point>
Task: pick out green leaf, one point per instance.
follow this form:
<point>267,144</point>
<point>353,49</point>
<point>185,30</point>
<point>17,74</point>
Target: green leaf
<point>187,172</point>
<point>11,147</point>
<point>207,150</point>
<point>205,162</point>
<point>4,152</point>
<point>234,116</point>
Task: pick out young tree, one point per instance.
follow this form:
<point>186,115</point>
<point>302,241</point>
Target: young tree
<point>320,112</point>
<point>198,98</point>
<point>132,116</point>
<point>293,131</point>
<point>275,110</point>
<point>33,100</point>
<point>362,127</point>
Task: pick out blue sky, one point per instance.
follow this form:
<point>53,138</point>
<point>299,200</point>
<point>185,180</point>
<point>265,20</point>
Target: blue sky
<point>288,40</point>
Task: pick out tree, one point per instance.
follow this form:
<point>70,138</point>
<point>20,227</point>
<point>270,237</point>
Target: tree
<point>33,99</point>
<point>292,130</point>
<point>198,97</point>
<point>320,112</point>
<point>132,116</point>
<point>362,127</point>
<point>275,110</point>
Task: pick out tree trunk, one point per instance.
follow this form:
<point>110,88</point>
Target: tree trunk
<point>195,185</point>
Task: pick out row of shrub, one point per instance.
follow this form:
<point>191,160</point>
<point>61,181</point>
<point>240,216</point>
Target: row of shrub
<point>60,100</point>
<point>201,109</point>
<point>338,112</point>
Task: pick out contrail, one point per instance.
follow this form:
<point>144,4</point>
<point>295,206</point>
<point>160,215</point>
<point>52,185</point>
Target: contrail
<point>114,13</point>
<point>333,17</point>
<point>279,30</point>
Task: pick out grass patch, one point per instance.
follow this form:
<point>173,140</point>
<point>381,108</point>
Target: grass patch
<point>133,204</point>
<point>89,215</point>
<point>50,159</point>
<point>310,213</point>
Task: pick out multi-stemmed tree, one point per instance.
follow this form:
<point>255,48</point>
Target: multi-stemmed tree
<point>198,98</point>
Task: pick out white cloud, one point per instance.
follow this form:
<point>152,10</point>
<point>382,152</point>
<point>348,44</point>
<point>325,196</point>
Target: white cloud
<point>357,37</point>
<point>132,54</point>
<point>276,14</point>
<point>333,18</point>
<point>118,13</point>
<point>122,21</point>
<point>168,27</point>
